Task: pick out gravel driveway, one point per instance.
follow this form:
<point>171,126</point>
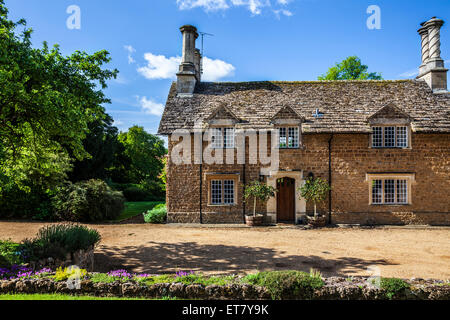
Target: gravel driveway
<point>398,252</point>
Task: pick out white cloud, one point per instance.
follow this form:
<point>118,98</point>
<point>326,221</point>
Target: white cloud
<point>214,70</point>
<point>159,67</point>
<point>410,73</point>
<point>283,2</point>
<point>284,12</point>
<point>130,50</point>
<point>151,107</point>
<point>162,67</point>
<point>208,5</point>
<point>254,6</point>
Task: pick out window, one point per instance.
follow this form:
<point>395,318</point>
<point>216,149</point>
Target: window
<point>216,191</point>
<point>222,192</point>
<point>389,191</point>
<point>222,138</point>
<point>289,137</point>
<point>390,137</point>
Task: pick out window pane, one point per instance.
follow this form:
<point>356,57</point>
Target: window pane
<point>228,141</point>
<point>377,137</point>
<point>216,191</point>
<point>216,138</point>
<point>402,191</point>
<point>389,136</point>
<point>228,186</point>
<point>377,191</point>
<point>293,137</point>
<point>402,137</point>
<point>389,191</point>
<point>283,142</point>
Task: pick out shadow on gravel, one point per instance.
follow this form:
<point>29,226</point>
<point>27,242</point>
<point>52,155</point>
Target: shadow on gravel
<point>159,258</point>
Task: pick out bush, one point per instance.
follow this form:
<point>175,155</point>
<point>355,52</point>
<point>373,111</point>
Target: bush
<point>88,201</point>
<point>287,284</point>
<point>57,241</point>
<point>9,254</point>
<point>135,194</point>
<point>69,273</point>
<point>20,204</point>
<point>157,215</point>
<point>393,286</point>
<point>147,190</point>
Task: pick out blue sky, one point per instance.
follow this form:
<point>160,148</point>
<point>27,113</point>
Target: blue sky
<point>253,40</point>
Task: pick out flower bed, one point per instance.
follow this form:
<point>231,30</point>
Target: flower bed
<point>188,285</point>
<point>54,246</point>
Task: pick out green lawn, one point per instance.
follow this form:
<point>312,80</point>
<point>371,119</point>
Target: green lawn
<point>66,297</point>
<point>133,209</point>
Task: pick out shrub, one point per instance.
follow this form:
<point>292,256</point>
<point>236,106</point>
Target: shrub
<point>20,204</point>
<point>204,280</point>
<point>393,286</point>
<point>134,193</point>
<point>59,240</point>
<point>88,201</point>
<point>287,284</point>
<point>156,190</point>
<point>71,272</point>
<point>157,215</point>
<point>9,254</point>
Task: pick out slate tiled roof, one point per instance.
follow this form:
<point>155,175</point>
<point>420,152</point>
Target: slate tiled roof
<point>346,105</point>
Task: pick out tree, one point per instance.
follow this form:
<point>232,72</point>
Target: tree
<point>47,101</point>
<point>258,191</point>
<point>350,69</point>
<point>102,145</point>
<point>144,152</point>
<point>314,190</point>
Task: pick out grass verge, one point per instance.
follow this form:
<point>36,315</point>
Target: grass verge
<point>133,209</point>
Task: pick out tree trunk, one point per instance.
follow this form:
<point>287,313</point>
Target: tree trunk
<point>315,211</point>
<point>254,207</point>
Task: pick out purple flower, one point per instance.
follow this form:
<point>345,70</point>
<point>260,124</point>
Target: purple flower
<point>183,273</point>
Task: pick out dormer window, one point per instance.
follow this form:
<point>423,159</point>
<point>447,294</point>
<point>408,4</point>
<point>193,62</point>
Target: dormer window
<point>390,137</point>
<point>289,137</point>
<point>222,138</point>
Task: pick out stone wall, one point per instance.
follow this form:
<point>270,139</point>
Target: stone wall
<point>352,159</point>
<point>334,289</point>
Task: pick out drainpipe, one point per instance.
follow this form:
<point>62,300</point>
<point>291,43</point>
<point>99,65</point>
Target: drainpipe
<point>243,189</point>
<point>201,187</point>
<point>329,178</point>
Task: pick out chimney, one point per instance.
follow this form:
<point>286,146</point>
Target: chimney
<point>188,76</point>
<point>432,69</point>
<point>198,64</point>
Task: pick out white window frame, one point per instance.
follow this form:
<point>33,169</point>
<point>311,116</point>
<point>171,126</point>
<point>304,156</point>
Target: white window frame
<point>222,179</point>
<point>289,132</point>
<point>375,179</point>
<point>396,137</point>
<point>220,138</point>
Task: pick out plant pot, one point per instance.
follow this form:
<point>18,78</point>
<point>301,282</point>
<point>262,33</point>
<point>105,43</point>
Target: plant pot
<point>319,222</point>
<point>253,221</point>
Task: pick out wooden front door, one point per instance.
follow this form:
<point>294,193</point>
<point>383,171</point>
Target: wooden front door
<point>286,199</point>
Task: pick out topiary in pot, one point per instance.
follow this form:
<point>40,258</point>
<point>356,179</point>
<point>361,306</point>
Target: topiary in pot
<point>315,190</point>
<point>258,191</point>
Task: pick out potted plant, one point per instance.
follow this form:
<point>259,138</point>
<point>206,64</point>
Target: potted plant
<point>258,191</point>
<point>315,190</point>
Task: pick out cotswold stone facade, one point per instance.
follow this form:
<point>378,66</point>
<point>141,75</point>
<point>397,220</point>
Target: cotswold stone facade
<point>383,146</point>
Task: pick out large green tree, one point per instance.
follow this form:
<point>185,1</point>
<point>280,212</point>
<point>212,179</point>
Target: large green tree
<point>144,153</point>
<point>47,101</point>
<point>350,69</point>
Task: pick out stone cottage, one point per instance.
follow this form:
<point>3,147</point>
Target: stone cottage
<point>383,146</point>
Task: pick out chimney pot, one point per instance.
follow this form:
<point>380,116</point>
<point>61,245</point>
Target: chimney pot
<point>187,76</point>
<point>432,69</point>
